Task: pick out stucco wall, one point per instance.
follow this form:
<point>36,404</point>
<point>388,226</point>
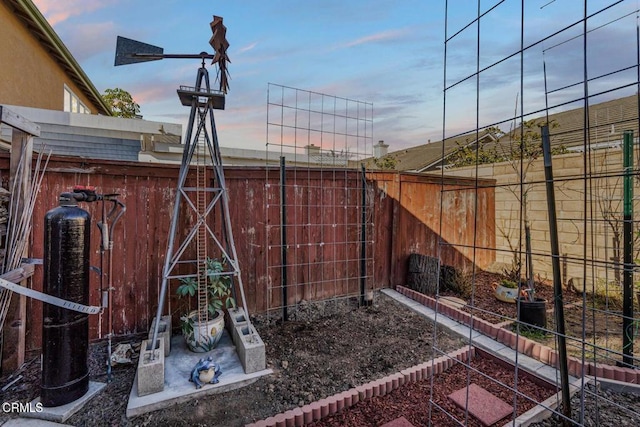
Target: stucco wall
<point>604,214</point>
<point>29,76</point>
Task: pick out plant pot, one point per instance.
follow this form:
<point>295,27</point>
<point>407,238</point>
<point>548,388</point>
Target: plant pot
<point>203,337</point>
<point>505,294</point>
<point>533,312</point>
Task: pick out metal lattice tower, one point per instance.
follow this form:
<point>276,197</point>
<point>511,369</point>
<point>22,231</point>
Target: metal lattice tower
<point>201,141</point>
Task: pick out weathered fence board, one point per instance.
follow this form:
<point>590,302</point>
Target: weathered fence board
<point>406,219</point>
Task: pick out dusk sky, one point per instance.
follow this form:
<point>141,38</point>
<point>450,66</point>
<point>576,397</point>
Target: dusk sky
<point>389,53</point>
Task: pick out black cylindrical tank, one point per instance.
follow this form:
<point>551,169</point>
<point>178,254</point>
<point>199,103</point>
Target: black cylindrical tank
<point>65,333</point>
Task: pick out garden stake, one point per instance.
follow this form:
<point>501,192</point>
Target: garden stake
<point>363,244</point>
<point>283,236</point>
<point>529,256</point>
<point>627,231</point>
<point>557,284</point>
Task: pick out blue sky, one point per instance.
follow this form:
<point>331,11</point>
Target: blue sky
<point>386,52</point>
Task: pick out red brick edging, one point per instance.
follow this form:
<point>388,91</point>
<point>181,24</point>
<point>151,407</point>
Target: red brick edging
<point>525,345</point>
<point>306,414</point>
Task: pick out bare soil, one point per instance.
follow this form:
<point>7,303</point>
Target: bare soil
<point>327,348</point>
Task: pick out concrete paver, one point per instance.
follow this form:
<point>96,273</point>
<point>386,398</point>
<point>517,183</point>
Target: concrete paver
<point>481,404</point>
<point>31,422</point>
<point>398,422</point>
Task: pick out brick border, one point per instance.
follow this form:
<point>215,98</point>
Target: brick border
<point>525,345</point>
<point>315,411</point>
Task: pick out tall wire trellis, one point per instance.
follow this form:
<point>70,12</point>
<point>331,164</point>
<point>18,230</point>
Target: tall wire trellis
<point>573,67</point>
<point>319,202</point>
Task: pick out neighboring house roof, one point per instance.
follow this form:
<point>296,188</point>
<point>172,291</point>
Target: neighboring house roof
<point>40,28</point>
<point>428,156</point>
<point>94,136</point>
<point>607,121</point>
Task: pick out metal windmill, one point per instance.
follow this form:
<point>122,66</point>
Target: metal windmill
<point>200,159</point>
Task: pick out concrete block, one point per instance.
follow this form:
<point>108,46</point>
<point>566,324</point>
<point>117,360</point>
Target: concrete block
<point>250,348</point>
<point>237,318</point>
<point>151,368</point>
<point>164,332</point>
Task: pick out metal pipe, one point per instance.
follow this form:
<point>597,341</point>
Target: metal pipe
<point>283,236</point>
<point>627,232</point>
<point>118,214</point>
<point>557,283</point>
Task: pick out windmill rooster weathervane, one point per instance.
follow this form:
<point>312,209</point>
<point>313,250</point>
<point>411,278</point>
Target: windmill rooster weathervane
<point>201,139</point>
<point>220,45</point>
<point>132,52</point>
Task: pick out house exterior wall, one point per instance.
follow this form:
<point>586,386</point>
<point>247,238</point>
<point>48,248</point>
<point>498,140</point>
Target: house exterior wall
<point>94,136</point>
<point>604,206</point>
<point>29,75</point>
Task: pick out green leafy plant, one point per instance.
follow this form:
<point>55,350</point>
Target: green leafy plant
<point>530,332</point>
<point>507,283</point>
<point>387,162</point>
<point>459,281</point>
<point>219,291</point>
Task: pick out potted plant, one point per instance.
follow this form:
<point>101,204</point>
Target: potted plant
<point>506,290</point>
<point>202,328</point>
<point>532,310</point>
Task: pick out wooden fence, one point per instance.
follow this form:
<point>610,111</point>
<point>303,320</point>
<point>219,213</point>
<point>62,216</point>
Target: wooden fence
<point>406,219</point>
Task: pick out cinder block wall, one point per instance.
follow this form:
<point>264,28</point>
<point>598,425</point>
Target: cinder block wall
<point>604,212</point>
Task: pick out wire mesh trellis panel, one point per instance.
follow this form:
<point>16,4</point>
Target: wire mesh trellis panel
<point>572,67</point>
<point>319,203</point>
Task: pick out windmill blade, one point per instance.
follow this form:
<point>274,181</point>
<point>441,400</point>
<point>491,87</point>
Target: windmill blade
<point>132,51</point>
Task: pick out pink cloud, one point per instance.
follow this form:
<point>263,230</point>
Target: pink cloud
<point>90,39</point>
<point>151,94</point>
<point>57,11</point>
<point>383,36</point>
<point>247,47</point>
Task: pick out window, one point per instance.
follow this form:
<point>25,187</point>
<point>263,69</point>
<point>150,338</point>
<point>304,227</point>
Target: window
<point>72,103</point>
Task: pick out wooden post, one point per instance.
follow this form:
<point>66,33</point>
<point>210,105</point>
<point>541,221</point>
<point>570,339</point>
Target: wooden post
<point>14,328</point>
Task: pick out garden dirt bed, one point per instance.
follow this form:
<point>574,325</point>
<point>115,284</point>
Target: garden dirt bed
<point>603,334</point>
<point>413,401</point>
<point>327,348</point>
<point>485,305</point>
<point>602,323</point>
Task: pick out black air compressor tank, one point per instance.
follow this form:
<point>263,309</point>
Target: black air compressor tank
<point>65,333</point>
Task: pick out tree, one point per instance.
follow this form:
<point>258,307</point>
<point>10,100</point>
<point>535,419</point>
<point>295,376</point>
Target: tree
<point>121,103</point>
<point>522,147</point>
<point>387,162</point>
